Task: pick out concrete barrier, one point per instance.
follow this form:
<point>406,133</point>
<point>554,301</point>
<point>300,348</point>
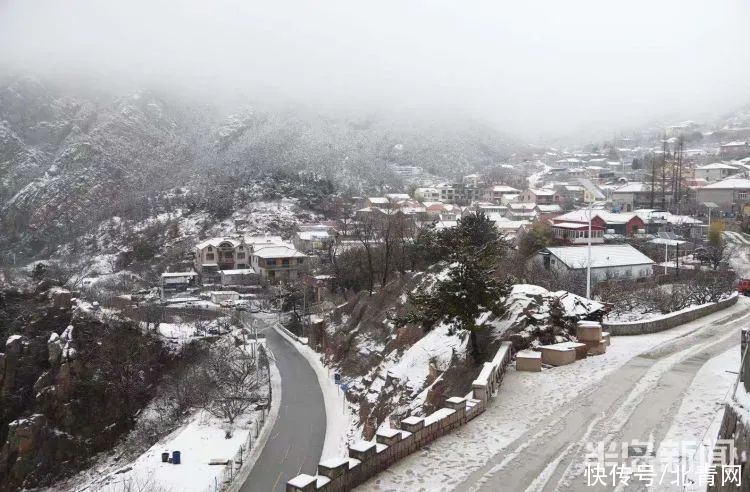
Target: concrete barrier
<point>669,320</point>
<point>368,458</point>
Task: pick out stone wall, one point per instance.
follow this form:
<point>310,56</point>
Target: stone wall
<point>734,428</point>
<point>368,458</point>
<point>667,321</point>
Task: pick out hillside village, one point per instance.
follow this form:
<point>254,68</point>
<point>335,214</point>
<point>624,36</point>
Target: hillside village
<point>567,248</point>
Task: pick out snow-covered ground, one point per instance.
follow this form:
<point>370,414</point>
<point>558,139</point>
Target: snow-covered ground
<point>696,424</point>
<point>200,440</point>
<point>525,401</point>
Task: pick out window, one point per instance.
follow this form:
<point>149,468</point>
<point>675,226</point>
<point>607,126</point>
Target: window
<point>209,256</point>
<point>743,195</point>
<point>240,256</point>
<point>241,248</point>
<point>300,260</point>
<point>210,248</point>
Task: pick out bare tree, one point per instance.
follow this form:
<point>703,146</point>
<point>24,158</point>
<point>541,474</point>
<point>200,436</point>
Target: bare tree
<point>235,381</point>
<point>364,230</point>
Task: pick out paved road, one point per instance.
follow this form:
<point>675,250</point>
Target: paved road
<point>296,441</point>
<point>637,401</point>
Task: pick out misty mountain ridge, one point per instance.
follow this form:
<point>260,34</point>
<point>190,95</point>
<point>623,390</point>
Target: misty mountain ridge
<point>71,159</point>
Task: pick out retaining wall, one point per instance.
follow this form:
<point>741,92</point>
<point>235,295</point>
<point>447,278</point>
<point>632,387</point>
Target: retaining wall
<point>734,428</point>
<point>669,320</point>
<point>368,458</point>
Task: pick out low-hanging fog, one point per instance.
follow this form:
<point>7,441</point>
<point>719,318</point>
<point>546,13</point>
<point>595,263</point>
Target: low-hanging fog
<point>534,68</point>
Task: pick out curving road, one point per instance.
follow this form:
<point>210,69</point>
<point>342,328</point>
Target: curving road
<point>296,441</point>
<point>635,402</point>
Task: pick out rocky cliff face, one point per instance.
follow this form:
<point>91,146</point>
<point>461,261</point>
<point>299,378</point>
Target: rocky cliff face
<point>70,385</point>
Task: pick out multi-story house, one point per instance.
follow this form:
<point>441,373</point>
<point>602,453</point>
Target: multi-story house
<point>496,193</point>
<point>277,262</point>
<point>240,253</point>
<point>540,196</point>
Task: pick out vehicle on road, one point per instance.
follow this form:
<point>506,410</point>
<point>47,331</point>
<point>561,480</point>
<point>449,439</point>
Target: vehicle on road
<point>743,287</point>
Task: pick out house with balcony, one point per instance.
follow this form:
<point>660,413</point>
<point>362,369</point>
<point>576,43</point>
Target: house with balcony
<point>277,262</point>
<point>215,255</point>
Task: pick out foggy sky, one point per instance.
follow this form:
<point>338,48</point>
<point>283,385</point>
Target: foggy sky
<point>535,68</point>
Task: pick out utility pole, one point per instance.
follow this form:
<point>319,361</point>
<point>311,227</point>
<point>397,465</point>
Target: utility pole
<point>653,179</point>
<point>664,173</point>
<point>588,263</point>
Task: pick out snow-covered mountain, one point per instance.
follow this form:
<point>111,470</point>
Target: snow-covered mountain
<point>71,159</point>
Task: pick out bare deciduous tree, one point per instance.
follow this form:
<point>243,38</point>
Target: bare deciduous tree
<point>235,381</point>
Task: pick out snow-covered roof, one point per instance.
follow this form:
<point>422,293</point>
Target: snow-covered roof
<point>310,235</point>
<point>504,189</point>
<point>379,199</point>
<point>582,215</point>
<point>602,256</point>
<point>729,184</point>
<point>575,225</point>
<point>634,187</point>
<point>541,192</point>
<point>278,251</point>
<point>178,274</point>
<point>511,224</point>
<point>549,208</point>
<point>716,165</point>
<point>244,271</point>
<point>736,143</point>
<point>522,206</point>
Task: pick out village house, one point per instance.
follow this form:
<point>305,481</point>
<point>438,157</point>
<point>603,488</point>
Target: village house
<point>314,238</point>
<point>175,282</point>
<point>540,196</point>
<point>277,262</point>
<point>715,171</point>
<point>635,195</point>
<point>545,212</point>
<point>577,233</point>
<point>735,150</point>
<point>625,224</point>
<point>608,261</point>
<point>427,194</point>
<point>215,255</point>
<point>521,211</point>
<point>496,193</point>
<point>729,194</point>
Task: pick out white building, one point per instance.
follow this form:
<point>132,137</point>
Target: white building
<point>277,262</point>
<point>608,261</point>
<point>427,194</point>
<point>729,194</point>
<point>715,171</point>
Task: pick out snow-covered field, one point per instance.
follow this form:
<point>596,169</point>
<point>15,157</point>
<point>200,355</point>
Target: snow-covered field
<point>525,400</point>
<point>201,440</point>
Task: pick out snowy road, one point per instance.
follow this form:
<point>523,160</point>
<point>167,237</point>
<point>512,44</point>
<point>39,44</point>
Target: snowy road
<point>636,402</point>
<point>533,434</point>
<point>296,441</point>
